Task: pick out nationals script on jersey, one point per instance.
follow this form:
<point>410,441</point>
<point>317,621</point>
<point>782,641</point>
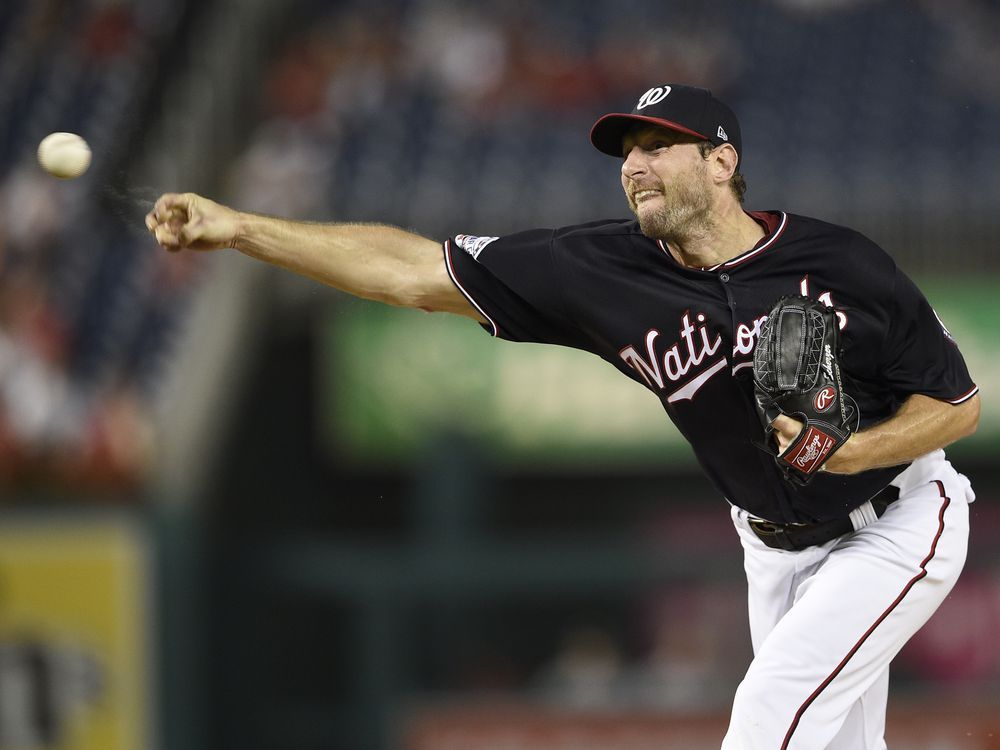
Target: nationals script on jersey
<point>688,334</point>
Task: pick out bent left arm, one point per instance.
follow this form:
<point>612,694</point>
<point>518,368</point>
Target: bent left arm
<point>922,424</point>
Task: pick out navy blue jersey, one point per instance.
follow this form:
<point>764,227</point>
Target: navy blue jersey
<point>688,334</point>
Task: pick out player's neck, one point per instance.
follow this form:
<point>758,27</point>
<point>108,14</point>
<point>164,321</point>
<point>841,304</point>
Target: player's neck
<point>721,237</point>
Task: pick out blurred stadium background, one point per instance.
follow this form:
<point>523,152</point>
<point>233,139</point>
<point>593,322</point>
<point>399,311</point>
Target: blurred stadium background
<point>244,511</point>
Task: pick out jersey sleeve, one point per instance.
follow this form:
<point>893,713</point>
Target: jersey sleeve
<point>513,281</point>
<point>919,354</point>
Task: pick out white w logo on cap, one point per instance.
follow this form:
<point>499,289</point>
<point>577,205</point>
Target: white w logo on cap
<point>654,96</point>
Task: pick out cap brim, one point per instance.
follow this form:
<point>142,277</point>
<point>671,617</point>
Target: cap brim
<point>609,130</point>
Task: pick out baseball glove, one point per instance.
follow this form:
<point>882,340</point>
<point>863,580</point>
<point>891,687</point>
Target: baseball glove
<point>796,372</point>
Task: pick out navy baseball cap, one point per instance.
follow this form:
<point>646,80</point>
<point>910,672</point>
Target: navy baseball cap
<point>686,109</point>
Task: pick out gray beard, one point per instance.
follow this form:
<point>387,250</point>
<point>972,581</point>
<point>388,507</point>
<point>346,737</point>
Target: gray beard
<point>687,212</point>
<point>675,223</point>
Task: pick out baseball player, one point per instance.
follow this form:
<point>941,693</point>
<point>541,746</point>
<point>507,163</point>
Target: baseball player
<point>850,547</point>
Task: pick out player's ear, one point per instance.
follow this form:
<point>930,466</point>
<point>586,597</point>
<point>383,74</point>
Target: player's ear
<point>723,161</point>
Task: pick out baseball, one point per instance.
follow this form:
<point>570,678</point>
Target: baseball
<point>64,155</point>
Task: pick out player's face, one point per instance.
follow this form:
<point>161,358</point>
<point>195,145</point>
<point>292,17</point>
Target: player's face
<point>666,181</point>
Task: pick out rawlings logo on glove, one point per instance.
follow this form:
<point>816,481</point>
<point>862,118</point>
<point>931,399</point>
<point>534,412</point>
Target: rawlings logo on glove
<point>825,399</point>
<point>796,373</point>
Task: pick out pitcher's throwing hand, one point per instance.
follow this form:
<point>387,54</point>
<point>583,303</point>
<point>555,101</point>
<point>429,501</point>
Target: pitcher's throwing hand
<point>185,221</point>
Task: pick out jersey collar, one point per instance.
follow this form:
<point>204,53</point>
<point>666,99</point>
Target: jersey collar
<point>774,224</point>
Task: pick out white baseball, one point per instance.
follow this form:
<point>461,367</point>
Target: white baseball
<point>64,155</point>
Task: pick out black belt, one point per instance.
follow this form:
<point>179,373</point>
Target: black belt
<point>796,536</point>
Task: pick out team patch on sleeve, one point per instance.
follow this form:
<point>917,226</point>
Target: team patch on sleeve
<point>473,245</point>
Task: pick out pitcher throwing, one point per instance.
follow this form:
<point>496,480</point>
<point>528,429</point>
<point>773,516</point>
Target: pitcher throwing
<point>854,525</point>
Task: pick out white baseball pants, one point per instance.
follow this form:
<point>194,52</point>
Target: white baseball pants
<point>826,621</point>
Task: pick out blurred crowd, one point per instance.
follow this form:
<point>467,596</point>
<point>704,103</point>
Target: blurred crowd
<point>356,72</point>
<point>84,306</point>
<point>426,113</point>
<point>423,113</point>
<point>79,355</point>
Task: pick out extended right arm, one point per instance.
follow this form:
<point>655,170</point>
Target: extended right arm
<point>374,261</point>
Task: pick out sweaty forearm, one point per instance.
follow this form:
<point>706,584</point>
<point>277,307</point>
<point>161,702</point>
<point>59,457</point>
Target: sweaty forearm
<point>374,261</point>
<point>922,424</point>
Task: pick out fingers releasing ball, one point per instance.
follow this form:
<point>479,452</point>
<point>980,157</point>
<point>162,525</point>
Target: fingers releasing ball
<point>64,155</point>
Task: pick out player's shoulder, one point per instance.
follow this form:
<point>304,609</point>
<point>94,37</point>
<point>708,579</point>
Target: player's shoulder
<point>603,237</point>
<point>809,227</point>
<point>593,237</point>
<point>570,232</point>
<point>599,228</point>
<point>839,239</point>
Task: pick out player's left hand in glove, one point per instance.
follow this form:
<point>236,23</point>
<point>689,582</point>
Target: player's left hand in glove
<point>796,372</point>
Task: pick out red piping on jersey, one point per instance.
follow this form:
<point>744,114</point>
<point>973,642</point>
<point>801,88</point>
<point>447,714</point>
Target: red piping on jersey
<point>965,397</point>
<point>739,259</point>
<point>454,280</point>
<point>752,253</point>
<point>888,611</point>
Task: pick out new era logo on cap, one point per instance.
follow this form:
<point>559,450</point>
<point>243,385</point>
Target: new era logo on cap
<point>686,109</point>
